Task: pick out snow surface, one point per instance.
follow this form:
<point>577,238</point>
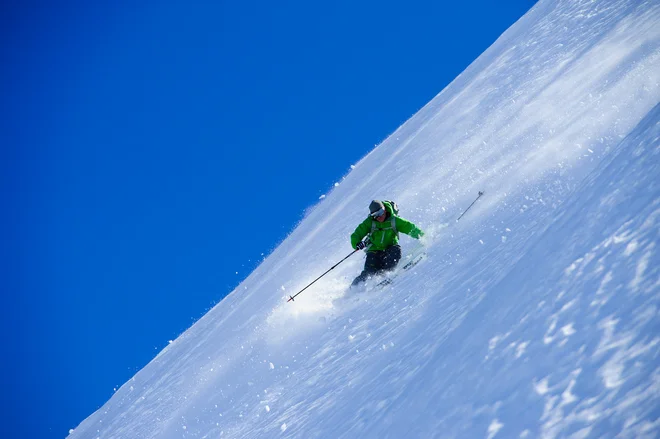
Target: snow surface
<point>535,315</point>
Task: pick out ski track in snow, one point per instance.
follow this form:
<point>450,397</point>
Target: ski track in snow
<point>535,315</point>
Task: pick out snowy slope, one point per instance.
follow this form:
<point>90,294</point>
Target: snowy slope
<point>536,315</point>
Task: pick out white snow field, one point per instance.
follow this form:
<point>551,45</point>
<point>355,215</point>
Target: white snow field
<point>534,316</point>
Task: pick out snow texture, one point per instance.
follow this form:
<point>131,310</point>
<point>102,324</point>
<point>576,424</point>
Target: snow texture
<point>535,315</point>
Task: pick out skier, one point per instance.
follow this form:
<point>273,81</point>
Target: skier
<point>383,227</point>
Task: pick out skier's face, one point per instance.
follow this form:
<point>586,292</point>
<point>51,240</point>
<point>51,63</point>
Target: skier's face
<point>379,215</point>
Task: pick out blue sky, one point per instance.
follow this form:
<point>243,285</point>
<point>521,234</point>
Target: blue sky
<point>154,153</point>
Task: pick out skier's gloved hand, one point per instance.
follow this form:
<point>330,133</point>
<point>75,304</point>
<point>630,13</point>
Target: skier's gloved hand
<point>360,245</point>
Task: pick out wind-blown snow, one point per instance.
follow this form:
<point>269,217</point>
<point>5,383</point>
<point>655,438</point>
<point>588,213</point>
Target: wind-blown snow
<point>536,315</point>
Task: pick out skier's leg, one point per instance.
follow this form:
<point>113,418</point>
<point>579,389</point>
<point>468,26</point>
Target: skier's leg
<point>372,265</point>
<point>391,257</point>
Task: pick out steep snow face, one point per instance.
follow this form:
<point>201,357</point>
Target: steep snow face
<point>536,315</point>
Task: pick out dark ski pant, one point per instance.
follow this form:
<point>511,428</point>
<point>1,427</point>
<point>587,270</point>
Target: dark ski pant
<point>377,261</point>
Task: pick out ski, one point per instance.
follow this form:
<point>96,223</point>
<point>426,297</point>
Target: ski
<point>410,264</point>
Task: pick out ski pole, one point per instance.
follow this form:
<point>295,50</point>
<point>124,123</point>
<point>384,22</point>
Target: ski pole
<point>331,268</point>
<point>479,196</point>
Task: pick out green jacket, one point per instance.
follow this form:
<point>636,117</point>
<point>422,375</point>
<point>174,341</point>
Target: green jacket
<point>383,235</point>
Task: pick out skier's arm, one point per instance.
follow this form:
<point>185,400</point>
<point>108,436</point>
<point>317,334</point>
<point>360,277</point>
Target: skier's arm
<point>360,232</point>
<point>405,226</point>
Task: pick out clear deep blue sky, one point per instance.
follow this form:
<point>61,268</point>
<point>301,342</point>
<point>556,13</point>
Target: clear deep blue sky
<point>152,152</point>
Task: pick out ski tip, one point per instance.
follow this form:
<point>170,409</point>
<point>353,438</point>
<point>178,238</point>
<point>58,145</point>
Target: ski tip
<point>290,299</point>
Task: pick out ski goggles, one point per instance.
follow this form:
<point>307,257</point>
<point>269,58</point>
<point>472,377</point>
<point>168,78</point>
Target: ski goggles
<point>378,213</point>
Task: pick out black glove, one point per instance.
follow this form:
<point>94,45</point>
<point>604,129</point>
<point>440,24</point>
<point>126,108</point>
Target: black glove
<point>360,245</point>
